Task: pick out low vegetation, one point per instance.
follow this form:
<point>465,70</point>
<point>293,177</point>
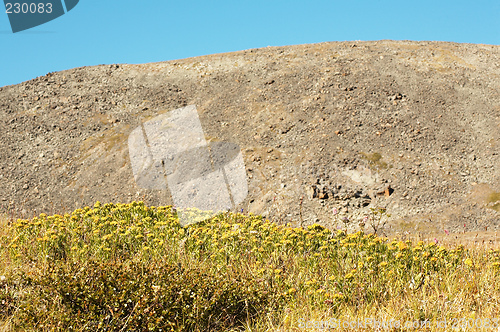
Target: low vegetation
<point>375,160</point>
<point>494,199</point>
<point>130,267</point>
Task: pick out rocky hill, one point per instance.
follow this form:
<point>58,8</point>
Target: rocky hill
<point>413,127</point>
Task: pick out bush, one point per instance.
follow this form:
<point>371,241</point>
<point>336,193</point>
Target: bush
<point>134,296</point>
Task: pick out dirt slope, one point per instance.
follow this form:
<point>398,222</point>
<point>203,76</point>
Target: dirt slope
<point>410,126</point>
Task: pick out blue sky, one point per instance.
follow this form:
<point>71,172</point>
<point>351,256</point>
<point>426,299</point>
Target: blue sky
<point>106,31</point>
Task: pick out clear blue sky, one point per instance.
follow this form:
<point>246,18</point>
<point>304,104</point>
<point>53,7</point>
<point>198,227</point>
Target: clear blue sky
<point>111,31</point>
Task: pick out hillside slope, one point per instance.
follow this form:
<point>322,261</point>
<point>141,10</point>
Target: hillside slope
<point>410,126</point>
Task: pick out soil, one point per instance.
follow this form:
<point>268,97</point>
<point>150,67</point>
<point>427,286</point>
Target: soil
<point>411,127</point>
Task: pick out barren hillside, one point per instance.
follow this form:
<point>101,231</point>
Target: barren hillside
<point>413,127</point>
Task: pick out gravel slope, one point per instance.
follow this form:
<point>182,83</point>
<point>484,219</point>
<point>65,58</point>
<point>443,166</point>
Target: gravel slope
<point>413,127</point>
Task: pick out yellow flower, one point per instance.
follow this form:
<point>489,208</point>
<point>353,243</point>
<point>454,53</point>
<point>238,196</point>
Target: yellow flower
<point>310,282</point>
<point>469,262</point>
<point>382,264</point>
<point>107,236</point>
<point>350,275</point>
